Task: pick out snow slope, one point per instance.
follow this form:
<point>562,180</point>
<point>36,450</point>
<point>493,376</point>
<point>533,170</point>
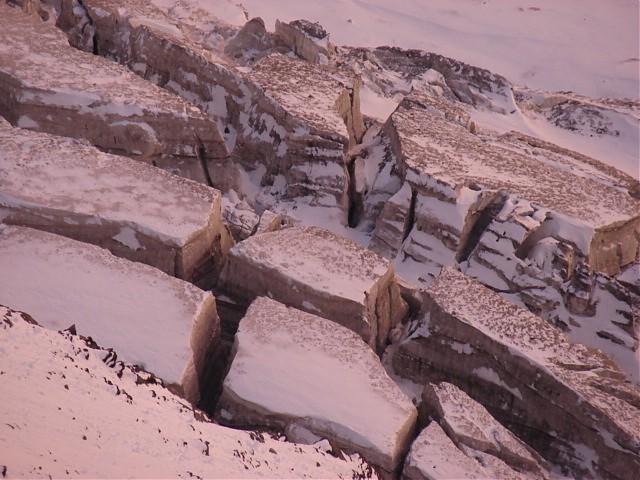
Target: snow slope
<point>587,46</point>
<point>67,414</point>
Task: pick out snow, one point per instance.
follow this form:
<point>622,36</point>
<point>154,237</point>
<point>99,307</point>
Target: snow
<point>589,46</point>
<point>318,259</point>
<point>64,176</point>
<point>143,313</point>
<point>322,375</point>
<point>67,414</point>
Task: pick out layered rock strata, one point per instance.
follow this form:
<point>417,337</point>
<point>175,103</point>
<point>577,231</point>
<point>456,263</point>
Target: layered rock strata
<point>165,324</point>
<point>138,212</point>
<point>281,117</point>
<point>434,456</point>
<point>294,370</point>
<point>49,86</point>
<point>321,273</point>
<point>468,424</point>
<point>568,401</point>
<point>525,217</point>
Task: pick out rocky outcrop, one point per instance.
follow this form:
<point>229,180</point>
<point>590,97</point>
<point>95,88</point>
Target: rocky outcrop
<point>468,424</point>
<point>150,318</point>
<point>308,40</point>
<point>138,212</point>
<point>523,216</point>
<point>570,402</point>
<point>392,71</point>
<point>294,370</point>
<point>281,118</point>
<point>66,92</point>
<point>314,270</point>
<point>434,456</point>
<point>107,418</point>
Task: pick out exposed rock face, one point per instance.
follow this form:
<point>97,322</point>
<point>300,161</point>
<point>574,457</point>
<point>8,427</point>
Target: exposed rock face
<point>291,368</point>
<point>66,396</point>
<point>282,117</point>
<point>393,70</point>
<point>308,40</point>
<point>570,402</point>
<point>152,319</point>
<point>521,215</point>
<point>66,92</point>
<point>434,456</point>
<point>251,43</point>
<point>321,273</point>
<point>138,212</point>
<point>470,425</point>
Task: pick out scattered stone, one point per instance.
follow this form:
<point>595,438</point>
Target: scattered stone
<point>314,270</point>
<point>138,212</point>
<point>294,368</point>
<point>121,417</point>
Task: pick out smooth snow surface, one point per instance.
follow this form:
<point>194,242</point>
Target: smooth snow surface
<point>312,371</point>
<point>68,176</point>
<point>587,46</point>
<point>67,414</point>
<point>143,313</point>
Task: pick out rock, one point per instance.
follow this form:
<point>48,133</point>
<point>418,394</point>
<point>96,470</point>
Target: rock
<point>75,94</point>
<point>281,117</point>
<point>308,40</point>
<point>98,409</point>
<point>570,402</point>
<point>507,212</point>
<point>269,222</point>
<point>165,324</point>
<point>469,424</point>
<point>433,456</point>
<point>138,212</point>
<point>321,273</point>
<point>293,368</point>
<point>251,43</point>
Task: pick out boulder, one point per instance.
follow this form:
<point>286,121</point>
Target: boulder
<point>569,402</point>
<point>307,39</point>
<point>433,456</point>
<point>321,273</point>
<point>469,424</point>
<point>66,92</point>
<point>291,368</point>
<point>72,408</point>
<point>165,324</point>
<point>138,212</point>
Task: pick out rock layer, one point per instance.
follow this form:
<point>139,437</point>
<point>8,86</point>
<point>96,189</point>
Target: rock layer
<point>138,212</point>
<point>150,318</point>
<point>434,456</point>
<point>470,425</point>
<point>291,368</point>
<point>321,273</point>
<point>49,86</point>
<point>564,399</point>
<point>281,117</point>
